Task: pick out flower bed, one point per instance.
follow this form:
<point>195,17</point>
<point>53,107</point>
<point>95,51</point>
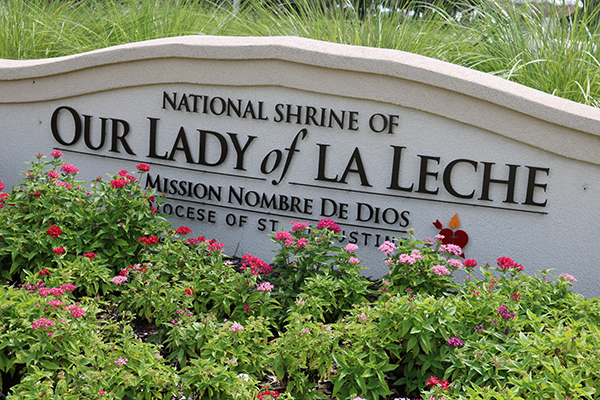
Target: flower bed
<point>91,265</point>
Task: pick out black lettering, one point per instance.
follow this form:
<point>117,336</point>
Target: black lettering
<point>426,173</point>
<point>153,184</point>
<point>183,103</point>
<point>360,169</point>
<point>232,107</point>
<point>532,184</point>
<point>181,137</point>
<point>322,161</point>
<point>261,224</point>
<point>203,146</point>
<point>87,122</point>
<point>279,113</point>
<point>448,178</point>
<point>116,138</point>
<point>167,99</point>
<point>239,150</point>
<point>54,126</point>
<point>152,146</point>
<point>510,182</point>
<point>395,185</point>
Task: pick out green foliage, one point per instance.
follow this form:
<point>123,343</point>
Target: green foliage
<point>312,267</point>
<point>221,331</point>
<point>552,54</point>
<point>50,211</point>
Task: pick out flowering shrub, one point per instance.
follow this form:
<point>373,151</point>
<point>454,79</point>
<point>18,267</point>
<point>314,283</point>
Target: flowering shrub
<point>84,273</point>
<point>425,266</point>
<point>48,217</point>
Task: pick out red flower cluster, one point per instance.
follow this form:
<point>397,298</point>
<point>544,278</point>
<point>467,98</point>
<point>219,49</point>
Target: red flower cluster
<point>143,167</point>
<point>44,272</point>
<point>125,174</point>
<point>91,256</point>
<point>256,265</point>
<point>148,240</point>
<point>119,183</point>
<point>54,231</point>
<point>329,224</point>
<point>2,196</point>
<point>183,230</point>
<point>195,241</point>
<point>214,246</point>
<point>1,185</point>
<point>273,393</point>
<point>470,263</point>
<point>189,291</point>
<point>435,382</point>
<point>506,263</point>
<point>59,250</point>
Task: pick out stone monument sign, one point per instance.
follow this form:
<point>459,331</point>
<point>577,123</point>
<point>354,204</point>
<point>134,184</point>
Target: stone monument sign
<point>244,135</point>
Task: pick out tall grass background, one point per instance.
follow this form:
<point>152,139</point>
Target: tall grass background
<point>555,55</point>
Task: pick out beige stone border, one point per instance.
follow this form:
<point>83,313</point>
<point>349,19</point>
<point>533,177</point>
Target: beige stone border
<point>547,122</point>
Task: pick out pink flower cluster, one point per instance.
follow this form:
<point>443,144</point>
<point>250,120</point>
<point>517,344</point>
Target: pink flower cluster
<point>119,279</point>
<point>56,154</point>
<point>451,248</point>
<point>351,248</point>
<point>75,310</point>
<point>568,277</point>
<point>470,263</point>
<point>55,303</point>
<point>69,169</point>
<point>236,327</point>
<point>327,223</point>
<point>121,361</point>
<point>59,291</point>
<point>505,314</point>
<point>284,236</point>
<point>265,287</point>
<point>1,185</point>
<point>301,242</point>
<point>411,258</point>
<point>388,248</point>
<point>67,185</point>
<point>455,342</point>
<point>42,323</point>
<point>440,270</point>
<point>143,167</point>
<point>52,175</point>
<point>354,261</point>
<point>299,226</point>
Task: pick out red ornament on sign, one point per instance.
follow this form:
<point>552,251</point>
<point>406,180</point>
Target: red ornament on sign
<point>453,235</point>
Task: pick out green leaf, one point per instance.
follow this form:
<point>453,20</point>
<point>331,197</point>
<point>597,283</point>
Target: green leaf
<point>49,365</point>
